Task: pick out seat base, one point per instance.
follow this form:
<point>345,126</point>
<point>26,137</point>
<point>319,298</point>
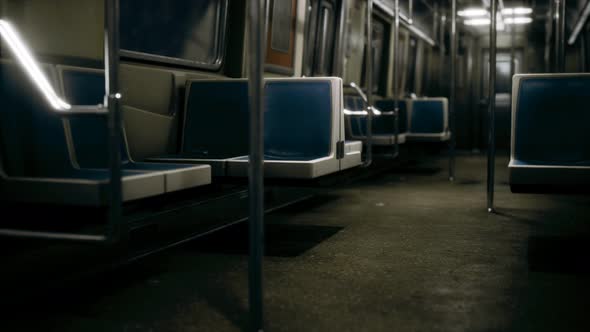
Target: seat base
<point>177,176</point>
<point>384,140</point>
<point>548,178</point>
<point>423,137</point>
<point>84,188</point>
<point>286,169</point>
<point>352,155</point>
<point>217,166</point>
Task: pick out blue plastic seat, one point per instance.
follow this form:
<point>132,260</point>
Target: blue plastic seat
<point>429,119</point>
<point>303,122</point>
<point>35,156</point>
<point>84,86</point>
<point>215,126</point>
<point>550,137</point>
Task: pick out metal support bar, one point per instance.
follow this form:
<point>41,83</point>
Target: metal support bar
<point>512,51</point>
<point>256,29</point>
<point>369,81</point>
<point>453,92</point>
<point>491,109</point>
<point>410,12</point>
<point>441,49</point>
<point>396,59</point>
<point>560,35</point>
<point>112,98</point>
<point>341,40</point>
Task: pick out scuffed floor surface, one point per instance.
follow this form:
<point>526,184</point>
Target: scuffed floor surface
<point>403,251</point>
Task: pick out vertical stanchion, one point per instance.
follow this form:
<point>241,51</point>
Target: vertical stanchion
<point>112,98</point>
<point>396,57</point>
<point>512,50</point>
<point>560,35</point>
<point>369,81</point>
<point>453,92</point>
<point>442,48</point>
<point>491,109</point>
<point>256,28</point>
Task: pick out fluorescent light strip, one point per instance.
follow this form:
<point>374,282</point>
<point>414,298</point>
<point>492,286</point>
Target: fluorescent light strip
<point>517,11</point>
<point>518,20</point>
<point>580,24</point>
<point>25,58</point>
<point>473,12</point>
<point>477,21</point>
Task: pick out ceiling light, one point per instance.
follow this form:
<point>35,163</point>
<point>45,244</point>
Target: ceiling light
<point>31,67</point>
<point>518,20</point>
<point>473,12</point>
<point>477,21</point>
<point>517,11</point>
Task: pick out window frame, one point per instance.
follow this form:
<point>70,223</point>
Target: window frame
<point>381,87</point>
<point>310,65</point>
<point>220,33</point>
<point>272,56</point>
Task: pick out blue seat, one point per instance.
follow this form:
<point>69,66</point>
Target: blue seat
<point>429,119</point>
<point>302,129</point>
<point>36,159</point>
<point>301,132</point>
<point>215,126</point>
<point>84,86</point>
<point>550,137</point>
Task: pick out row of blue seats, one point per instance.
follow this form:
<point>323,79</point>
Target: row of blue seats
<point>54,159</point>
<point>423,119</point>
<point>303,133</point>
<point>550,142</point>
<point>48,158</point>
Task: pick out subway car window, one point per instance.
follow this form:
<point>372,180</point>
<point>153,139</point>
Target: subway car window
<point>184,32</point>
<point>321,28</point>
<point>380,32</point>
<point>281,35</point>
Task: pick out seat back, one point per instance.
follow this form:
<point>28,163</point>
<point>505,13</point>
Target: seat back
<point>300,118</point>
<point>550,119</point>
<point>86,86</point>
<point>32,137</point>
<point>216,119</point>
<point>428,115</point>
<point>387,105</point>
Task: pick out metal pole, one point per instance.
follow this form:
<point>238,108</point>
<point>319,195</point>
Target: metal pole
<point>442,49</point>
<point>491,109</point>
<point>560,35</point>
<point>112,99</point>
<point>512,50</point>
<point>410,11</point>
<point>369,80</point>
<point>341,40</point>
<point>453,89</point>
<point>396,57</point>
<point>257,46</point>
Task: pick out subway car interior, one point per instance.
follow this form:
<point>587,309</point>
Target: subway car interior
<point>294,165</point>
